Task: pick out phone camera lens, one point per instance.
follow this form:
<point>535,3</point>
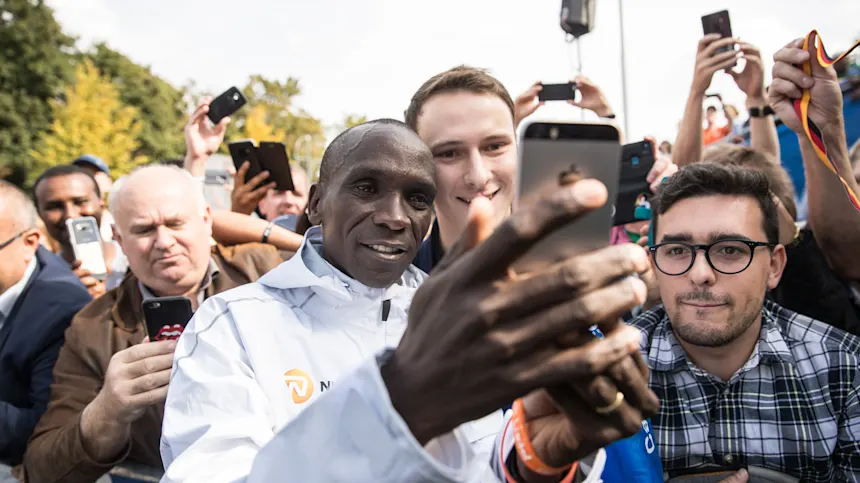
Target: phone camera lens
<point>83,227</point>
<point>235,97</point>
<point>634,161</point>
<point>156,305</point>
<point>553,133</point>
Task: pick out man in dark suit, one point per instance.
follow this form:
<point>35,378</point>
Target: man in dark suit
<point>39,295</point>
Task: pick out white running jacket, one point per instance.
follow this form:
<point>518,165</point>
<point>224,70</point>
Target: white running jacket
<point>277,381</point>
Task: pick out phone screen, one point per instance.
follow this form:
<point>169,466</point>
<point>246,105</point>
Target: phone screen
<point>637,159</point>
<point>550,151</point>
<point>273,157</point>
<point>557,92</point>
<point>166,317</point>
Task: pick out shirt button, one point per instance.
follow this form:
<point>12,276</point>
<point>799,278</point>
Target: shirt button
<point>729,459</point>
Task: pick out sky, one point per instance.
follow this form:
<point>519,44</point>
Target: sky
<point>369,56</point>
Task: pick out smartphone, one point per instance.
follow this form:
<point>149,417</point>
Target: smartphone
<point>227,103</point>
<point>242,151</point>
<point>273,157</point>
<point>87,245</point>
<point>718,23</point>
<point>557,92</point>
<point>637,159</point>
<point>550,151</point>
<point>166,317</point>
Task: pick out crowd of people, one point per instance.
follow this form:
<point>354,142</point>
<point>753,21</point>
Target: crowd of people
<point>369,326</point>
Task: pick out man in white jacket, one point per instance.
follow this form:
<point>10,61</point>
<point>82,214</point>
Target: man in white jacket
<point>278,380</point>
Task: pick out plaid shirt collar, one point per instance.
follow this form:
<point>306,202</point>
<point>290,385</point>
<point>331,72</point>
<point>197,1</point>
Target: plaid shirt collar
<point>667,355</point>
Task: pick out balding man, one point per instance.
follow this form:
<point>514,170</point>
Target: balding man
<point>39,295</point>
<point>107,401</point>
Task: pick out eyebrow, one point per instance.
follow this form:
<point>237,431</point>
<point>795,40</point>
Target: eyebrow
<point>452,143</point>
<point>362,172</point>
<point>712,237</point>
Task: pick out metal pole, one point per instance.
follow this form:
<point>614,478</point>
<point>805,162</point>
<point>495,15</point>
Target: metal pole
<point>579,71</point>
<point>623,69</point>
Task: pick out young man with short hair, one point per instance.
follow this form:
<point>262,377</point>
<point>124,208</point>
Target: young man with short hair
<point>743,381</point>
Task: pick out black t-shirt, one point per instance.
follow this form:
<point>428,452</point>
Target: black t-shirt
<point>808,286</point>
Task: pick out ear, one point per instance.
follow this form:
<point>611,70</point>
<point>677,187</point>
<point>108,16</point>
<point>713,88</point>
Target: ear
<point>116,236</point>
<point>777,265</point>
<point>314,204</point>
<point>32,240</point>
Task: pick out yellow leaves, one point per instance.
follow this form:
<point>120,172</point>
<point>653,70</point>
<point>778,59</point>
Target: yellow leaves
<point>257,126</point>
<point>91,120</point>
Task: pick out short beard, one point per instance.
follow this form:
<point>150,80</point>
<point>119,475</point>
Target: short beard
<point>737,323</point>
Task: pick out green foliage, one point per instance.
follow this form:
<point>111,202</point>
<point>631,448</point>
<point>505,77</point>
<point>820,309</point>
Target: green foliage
<point>161,106</point>
<point>36,63</point>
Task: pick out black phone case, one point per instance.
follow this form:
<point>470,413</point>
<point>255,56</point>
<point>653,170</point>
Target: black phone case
<point>274,159</point>
<point>245,151</point>
<point>718,23</point>
<point>557,92</point>
<point>226,104</point>
<point>166,317</point>
<point>637,159</point>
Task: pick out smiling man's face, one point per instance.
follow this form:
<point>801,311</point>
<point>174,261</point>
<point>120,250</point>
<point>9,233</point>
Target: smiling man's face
<point>473,141</point>
<point>377,205</point>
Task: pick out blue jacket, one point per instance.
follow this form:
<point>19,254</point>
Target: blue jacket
<point>30,341</point>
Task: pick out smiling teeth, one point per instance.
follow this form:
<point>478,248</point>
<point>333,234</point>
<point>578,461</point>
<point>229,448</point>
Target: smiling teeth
<point>384,249</point>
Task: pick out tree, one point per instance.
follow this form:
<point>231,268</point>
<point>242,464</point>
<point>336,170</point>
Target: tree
<point>161,106</point>
<point>91,119</point>
<point>353,120</point>
<point>36,63</point>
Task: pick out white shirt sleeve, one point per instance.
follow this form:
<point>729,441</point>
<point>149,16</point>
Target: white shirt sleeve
<point>218,426</point>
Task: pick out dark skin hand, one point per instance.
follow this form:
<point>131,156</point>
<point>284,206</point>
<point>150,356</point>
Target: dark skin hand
<point>95,286</point>
<point>246,196</point>
<point>500,337</point>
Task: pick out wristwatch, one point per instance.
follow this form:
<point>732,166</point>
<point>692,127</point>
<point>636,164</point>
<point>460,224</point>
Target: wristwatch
<point>761,111</point>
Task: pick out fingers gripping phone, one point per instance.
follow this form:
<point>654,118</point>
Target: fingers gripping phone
<point>557,92</point>
<point>166,317</point>
<point>718,23</point>
<point>634,191</point>
<point>226,104</point>
<point>87,245</point>
<point>242,151</point>
<point>273,157</point>
<point>551,151</point>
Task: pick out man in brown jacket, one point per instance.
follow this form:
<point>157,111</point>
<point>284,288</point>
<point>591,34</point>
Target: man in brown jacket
<point>107,400</point>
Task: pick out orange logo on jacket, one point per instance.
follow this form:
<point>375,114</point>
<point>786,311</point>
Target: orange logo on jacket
<point>300,384</point>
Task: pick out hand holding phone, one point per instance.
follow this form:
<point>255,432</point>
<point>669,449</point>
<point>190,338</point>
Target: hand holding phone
<point>166,317</point>
<point>274,159</point>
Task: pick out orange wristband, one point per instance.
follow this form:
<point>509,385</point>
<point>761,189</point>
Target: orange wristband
<point>523,444</point>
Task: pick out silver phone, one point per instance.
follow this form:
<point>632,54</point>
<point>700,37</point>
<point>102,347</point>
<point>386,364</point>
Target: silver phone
<point>548,152</point>
<point>87,245</point>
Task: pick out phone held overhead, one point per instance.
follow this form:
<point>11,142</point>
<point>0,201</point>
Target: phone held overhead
<point>557,92</point>
<point>268,156</point>
<point>550,154</point>
<point>718,23</point>
<point>226,104</point>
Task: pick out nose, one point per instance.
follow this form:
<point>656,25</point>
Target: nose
<point>478,174</point>
<point>71,210</point>
<point>164,239</point>
<point>701,272</point>
<point>391,213</point>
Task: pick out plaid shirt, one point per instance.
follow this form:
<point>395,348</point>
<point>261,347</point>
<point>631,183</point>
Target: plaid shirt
<point>794,407</point>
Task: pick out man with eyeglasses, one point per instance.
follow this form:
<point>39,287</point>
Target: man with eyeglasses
<point>744,384</point>
<point>39,295</point>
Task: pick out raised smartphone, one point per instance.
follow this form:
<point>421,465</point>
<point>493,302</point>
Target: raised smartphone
<point>637,159</point>
<point>273,158</point>
<point>549,151</point>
